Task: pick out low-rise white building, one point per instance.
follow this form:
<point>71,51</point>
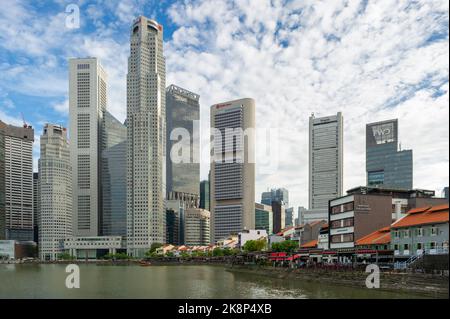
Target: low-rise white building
<point>251,234</point>
<point>92,247</point>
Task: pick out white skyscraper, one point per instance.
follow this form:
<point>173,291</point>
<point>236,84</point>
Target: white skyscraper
<point>233,168</point>
<point>146,124</point>
<point>325,164</point>
<point>87,105</point>
<point>55,184</point>
<point>17,174</point>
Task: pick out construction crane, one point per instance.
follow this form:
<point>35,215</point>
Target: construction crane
<point>25,125</point>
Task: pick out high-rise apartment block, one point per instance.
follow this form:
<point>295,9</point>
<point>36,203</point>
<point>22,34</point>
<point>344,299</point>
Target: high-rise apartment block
<point>325,160</point>
<point>233,167</point>
<point>183,140</point>
<point>87,107</point>
<point>55,192</point>
<point>197,227</point>
<point>16,149</point>
<point>386,165</point>
<point>146,126</point>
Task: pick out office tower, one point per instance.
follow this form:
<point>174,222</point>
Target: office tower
<point>386,165</point>
<point>55,186</point>
<point>300,215</point>
<point>275,194</point>
<point>279,216</point>
<point>36,215</point>
<point>114,170</point>
<point>325,160</point>
<point>197,227</point>
<point>2,184</point>
<point>289,218</point>
<point>264,218</point>
<point>146,124</point>
<point>87,106</point>
<point>182,116</point>
<point>18,172</point>
<point>205,195</point>
<point>172,225</point>
<point>233,168</point>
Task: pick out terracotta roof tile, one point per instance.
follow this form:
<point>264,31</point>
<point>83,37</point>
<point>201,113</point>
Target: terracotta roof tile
<point>428,215</point>
<point>378,237</point>
<point>310,244</point>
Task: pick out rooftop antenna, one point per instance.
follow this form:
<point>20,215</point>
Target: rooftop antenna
<point>25,125</point>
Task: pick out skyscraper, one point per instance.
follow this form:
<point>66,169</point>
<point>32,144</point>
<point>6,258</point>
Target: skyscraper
<point>205,195</point>
<point>114,169</point>
<point>279,216</point>
<point>87,106</point>
<point>36,214</point>
<point>275,194</point>
<point>233,167</point>
<point>182,115</point>
<point>386,166</point>
<point>289,216</point>
<point>325,160</point>
<point>55,184</point>
<point>197,227</point>
<point>18,175</point>
<point>146,124</point>
<point>2,184</point>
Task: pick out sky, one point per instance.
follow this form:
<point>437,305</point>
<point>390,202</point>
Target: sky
<point>370,60</point>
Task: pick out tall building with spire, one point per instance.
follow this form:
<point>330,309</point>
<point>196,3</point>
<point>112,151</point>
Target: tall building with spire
<point>146,124</point>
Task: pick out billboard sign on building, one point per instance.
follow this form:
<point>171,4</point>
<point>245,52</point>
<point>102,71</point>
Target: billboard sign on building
<point>382,133</point>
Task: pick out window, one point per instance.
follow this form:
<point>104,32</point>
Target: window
<point>406,233</point>
<point>375,178</point>
<point>347,238</point>
<point>434,231</point>
<point>396,234</point>
<point>433,245</point>
<point>419,246</point>
<point>336,209</point>
<point>396,247</point>
<point>348,207</point>
<point>406,247</point>
<point>419,232</point>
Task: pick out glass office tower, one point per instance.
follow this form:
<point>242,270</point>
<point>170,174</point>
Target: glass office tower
<point>386,165</point>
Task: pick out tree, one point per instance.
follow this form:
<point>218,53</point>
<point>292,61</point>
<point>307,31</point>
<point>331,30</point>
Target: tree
<point>287,246</point>
<point>217,252</point>
<point>254,245</point>
<point>155,246</point>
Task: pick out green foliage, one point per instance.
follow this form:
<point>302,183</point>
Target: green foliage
<point>287,246</point>
<point>254,245</point>
<point>218,252</point>
<point>170,254</point>
<point>154,247</point>
<point>65,256</point>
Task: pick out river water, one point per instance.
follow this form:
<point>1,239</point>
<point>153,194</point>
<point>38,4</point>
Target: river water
<point>109,281</point>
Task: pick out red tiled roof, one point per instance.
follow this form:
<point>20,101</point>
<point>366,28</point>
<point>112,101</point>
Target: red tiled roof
<point>310,244</point>
<point>422,216</point>
<point>380,236</point>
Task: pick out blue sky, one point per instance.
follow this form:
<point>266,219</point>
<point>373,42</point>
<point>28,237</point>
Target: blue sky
<point>372,60</point>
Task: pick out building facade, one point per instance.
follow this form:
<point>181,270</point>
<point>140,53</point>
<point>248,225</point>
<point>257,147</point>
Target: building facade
<point>205,201</point>
<point>113,218</point>
<point>183,116</point>
<point>146,126</point>
<point>422,230</point>
<point>325,160</point>
<point>2,184</point>
<point>233,167</point>
<point>18,181</point>
<point>386,165</point>
<point>279,216</point>
<point>87,107</point>
<point>289,218</point>
<point>55,192</point>
<point>264,218</point>
<point>36,203</point>
<point>197,227</point>
<point>275,194</point>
